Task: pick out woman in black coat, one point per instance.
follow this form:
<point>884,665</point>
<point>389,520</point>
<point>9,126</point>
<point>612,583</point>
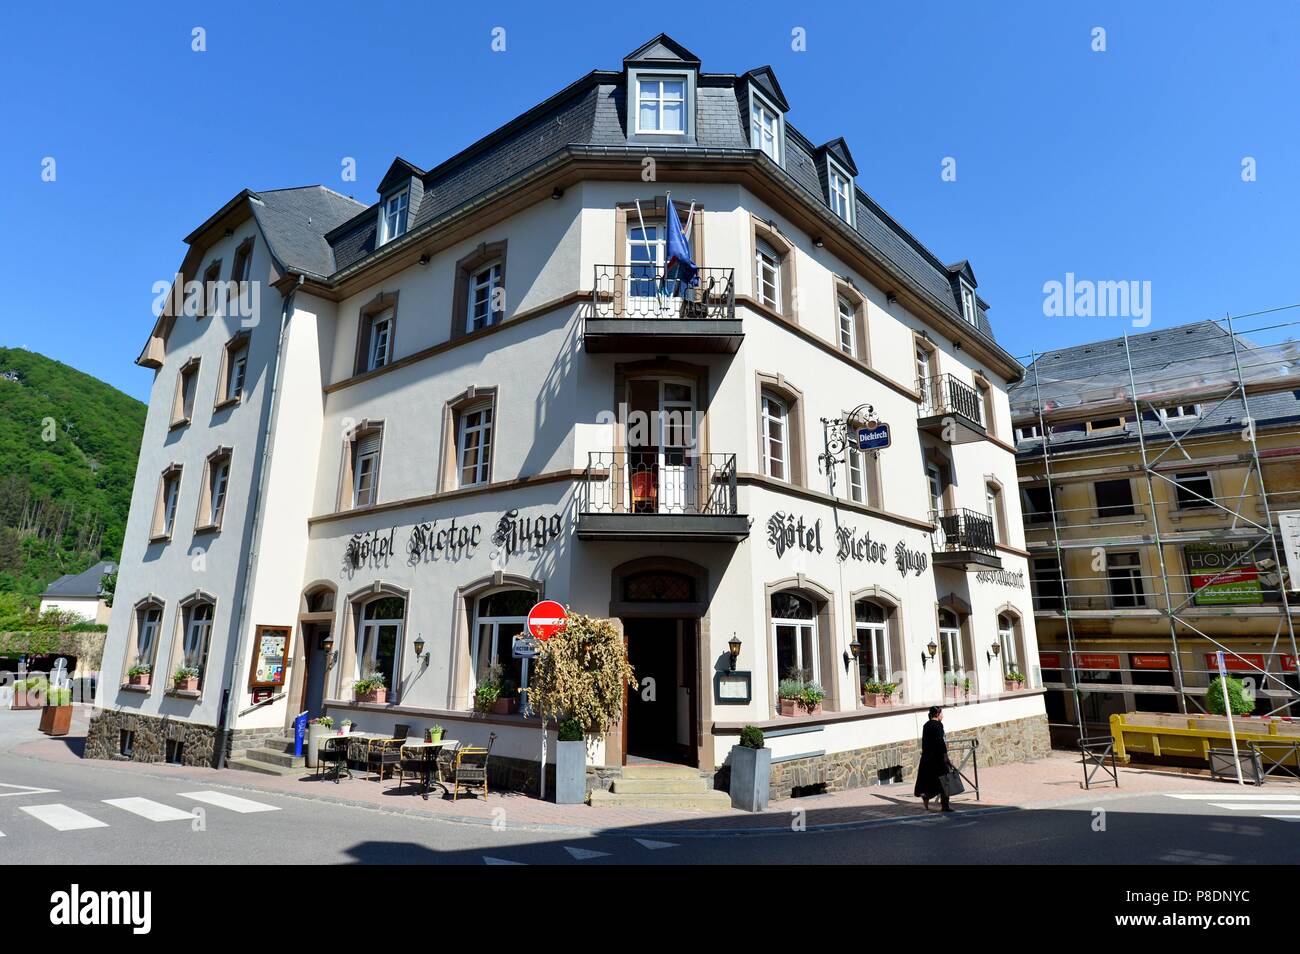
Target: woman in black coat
<point>934,761</point>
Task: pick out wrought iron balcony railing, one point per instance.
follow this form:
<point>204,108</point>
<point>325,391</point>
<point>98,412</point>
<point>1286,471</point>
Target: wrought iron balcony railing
<point>963,531</point>
<point>943,394</point>
<point>667,481</point>
<point>645,291</point>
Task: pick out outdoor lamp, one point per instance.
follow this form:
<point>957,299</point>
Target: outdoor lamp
<point>996,650</point>
<point>931,648</point>
<point>734,645</point>
<point>853,652</point>
<point>419,645</point>
<point>327,643</point>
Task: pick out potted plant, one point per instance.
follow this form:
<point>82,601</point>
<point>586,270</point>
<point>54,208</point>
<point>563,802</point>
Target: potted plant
<point>371,688</point>
<point>30,693</point>
<point>789,693</point>
<point>571,764</point>
<point>877,693</point>
<point>751,771</point>
<point>139,675</point>
<point>186,679</point>
<point>1014,679</point>
<point>485,696</point>
<point>966,688</point>
<point>435,733</point>
<point>56,716</point>
<point>345,727</point>
<point>317,729</point>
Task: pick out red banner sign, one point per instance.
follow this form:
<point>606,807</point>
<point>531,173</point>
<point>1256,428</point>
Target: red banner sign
<point>1243,662</point>
<point>1096,660</point>
<point>1049,660</point>
<point>1149,660</point>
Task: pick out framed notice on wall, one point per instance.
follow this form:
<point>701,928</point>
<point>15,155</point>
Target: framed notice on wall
<point>270,657</point>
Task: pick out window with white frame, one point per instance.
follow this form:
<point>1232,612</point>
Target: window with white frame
<point>776,437</point>
<point>968,306</point>
<point>950,647</point>
<point>1124,576</point>
<point>498,619</point>
<point>1007,639</point>
<point>365,467</point>
<point>171,495</point>
<point>148,623</point>
<point>857,475</point>
<point>379,347</point>
<point>661,104</point>
<point>1028,432</point>
<point>925,383</point>
<point>186,387</point>
<point>934,485</point>
<point>848,316</point>
<point>1193,489</point>
<point>474,443</point>
<point>1180,412</point>
<point>794,630</point>
<point>393,218</point>
<point>484,297</point>
<point>767,275</point>
<point>993,507</point>
<point>198,634</point>
<point>218,482</point>
<point>765,128</point>
<point>875,661</point>
<point>379,636</point>
<point>236,370</point>
<point>841,193</point>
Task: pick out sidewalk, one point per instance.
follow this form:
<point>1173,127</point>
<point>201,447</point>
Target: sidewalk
<point>1048,783</point>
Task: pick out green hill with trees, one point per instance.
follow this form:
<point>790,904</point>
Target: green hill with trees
<point>68,449</point>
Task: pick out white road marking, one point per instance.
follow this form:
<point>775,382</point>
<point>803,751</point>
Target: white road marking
<point>585,854</point>
<point>244,806</point>
<point>62,818</point>
<point>654,845</point>
<point>1232,797</point>
<point>24,790</point>
<point>145,808</point>
<point>499,861</point>
<point>1283,817</point>
<point>1256,807</point>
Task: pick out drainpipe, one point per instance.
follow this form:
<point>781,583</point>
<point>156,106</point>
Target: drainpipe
<point>230,691</point>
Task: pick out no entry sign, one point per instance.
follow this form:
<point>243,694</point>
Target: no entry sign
<point>546,619</point>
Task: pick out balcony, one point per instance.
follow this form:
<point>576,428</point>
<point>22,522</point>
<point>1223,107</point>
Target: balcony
<point>963,540</point>
<point>950,410</point>
<point>637,309</point>
<point>660,494</point>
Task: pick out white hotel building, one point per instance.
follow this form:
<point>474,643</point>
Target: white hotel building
<point>475,393</point>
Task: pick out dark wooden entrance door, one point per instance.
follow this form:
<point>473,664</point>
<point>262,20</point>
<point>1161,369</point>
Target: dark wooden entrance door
<point>660,721</point>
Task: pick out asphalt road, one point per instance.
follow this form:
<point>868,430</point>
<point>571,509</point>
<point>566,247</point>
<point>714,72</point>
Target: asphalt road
<point>92,813</point>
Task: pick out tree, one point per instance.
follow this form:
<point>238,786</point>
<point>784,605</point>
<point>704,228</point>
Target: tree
<point>1241,705</point>
<point>582,674</point>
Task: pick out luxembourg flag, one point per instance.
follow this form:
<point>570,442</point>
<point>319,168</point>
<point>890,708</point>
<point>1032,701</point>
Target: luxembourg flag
<point>678,266</point>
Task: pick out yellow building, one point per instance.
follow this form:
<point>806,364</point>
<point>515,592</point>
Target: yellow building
<point>1155,471</point>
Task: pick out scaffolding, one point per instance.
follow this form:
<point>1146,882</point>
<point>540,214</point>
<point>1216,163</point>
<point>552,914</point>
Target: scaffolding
<point>1142,408</point>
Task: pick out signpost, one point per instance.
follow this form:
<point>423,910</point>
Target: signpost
<point>545,619</point>
<point>1227,708</point>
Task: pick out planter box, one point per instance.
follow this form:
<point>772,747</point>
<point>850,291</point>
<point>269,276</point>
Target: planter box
<point>1012,686</point>
<point>751,777</point>
<point>56,720</point>
<point>875,699</point>
<point>190,684</point>
<point>378,696</point>
<point>793,707</point>
<point>141,680</point>
<point>570,773</point>
<point>29,699</point>
<point>314,734</point>
<point>505,707</point>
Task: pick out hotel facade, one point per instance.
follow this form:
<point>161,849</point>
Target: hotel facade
<point>379,433</point>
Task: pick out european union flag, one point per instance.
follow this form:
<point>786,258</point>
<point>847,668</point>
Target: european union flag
<point>678,267</point>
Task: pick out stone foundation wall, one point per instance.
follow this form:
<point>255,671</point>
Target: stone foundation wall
<point>1000,743</point>
<point>104,738</point>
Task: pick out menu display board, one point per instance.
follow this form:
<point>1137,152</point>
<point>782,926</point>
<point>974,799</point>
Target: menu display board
<point>270,657</point>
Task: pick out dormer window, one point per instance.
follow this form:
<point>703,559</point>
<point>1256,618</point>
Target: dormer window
<point>765,127</point>
<point>392,220</point>
<point>840,186</point>
<point>661,104</point>
<point>969,310</point>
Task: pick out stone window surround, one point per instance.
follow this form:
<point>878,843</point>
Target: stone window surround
<point>211,276</point>
<point>158,532</point>
<point>654,211</point>
<point>366,315</point>
<point>243,256</point>
<point>895,629</point>
<point>129,658</point>
<point>201,523</point>
<point>239,340</point>
<point>873,488</point>
<point>754,94</point>
<point>176,650</point>
<point>466,268</point>
<point>345,499</point>
<point>834,168</point>
<point>769,233</point>
<point>984,388</point>
<point>179,417</point>
<point>470,399</point>
<point>961,609</point>
<point>1017,633</point>
<point>843,287</point>
<point>922,341</point>
<point>465,602</point>
<point>346,642</point>
<point>947,474</point>
<point>828,654</point>
<point>779,387</point>
<point>1002,523</point>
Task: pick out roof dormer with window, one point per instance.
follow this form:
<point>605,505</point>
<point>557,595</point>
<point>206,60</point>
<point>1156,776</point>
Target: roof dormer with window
<point>838,172</point>
<point>662,77</point>
<point>400,193</point>
<point>761,95</point>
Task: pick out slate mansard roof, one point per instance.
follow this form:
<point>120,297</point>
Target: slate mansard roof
<point>80,586</point>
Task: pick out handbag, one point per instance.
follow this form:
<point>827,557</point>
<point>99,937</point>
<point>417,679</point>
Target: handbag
<point>951,783</point>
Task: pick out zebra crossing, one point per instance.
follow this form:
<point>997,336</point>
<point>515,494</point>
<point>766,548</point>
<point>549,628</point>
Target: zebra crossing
<point>1279,806</point>
<point>62,817</point>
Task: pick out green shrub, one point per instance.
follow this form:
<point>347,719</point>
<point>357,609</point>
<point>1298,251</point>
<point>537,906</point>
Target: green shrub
<point>485,695</point>
<point>363,687</point>
<point>812,695</point>
<point>751,737</point>
<point>1241,705</point>
<point>59,696</point>
<point>186,672</point>
<point>1015,675</point>
<point>571,731</point>
<point>324,722</point>
<point>789,689</point>
<point>140,669</point>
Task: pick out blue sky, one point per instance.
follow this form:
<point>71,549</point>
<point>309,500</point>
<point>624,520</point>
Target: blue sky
<point>1116,165</point>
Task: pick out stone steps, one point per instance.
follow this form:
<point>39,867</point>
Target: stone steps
<point>707,800</point>
<point>659,770</point>
<point>660,786</point>
<point>273,757</point>
<point>246,764</point>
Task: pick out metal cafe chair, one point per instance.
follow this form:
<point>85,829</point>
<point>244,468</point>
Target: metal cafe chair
<point>471,766</point>
<point>332,757</point>
<point>383,755</point>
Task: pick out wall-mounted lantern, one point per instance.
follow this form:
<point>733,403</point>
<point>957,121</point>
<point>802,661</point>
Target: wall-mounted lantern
<point>733,644</point>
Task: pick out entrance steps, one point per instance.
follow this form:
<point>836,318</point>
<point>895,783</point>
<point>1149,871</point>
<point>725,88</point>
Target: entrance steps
<point>661,786</point>
<point>273,757</point>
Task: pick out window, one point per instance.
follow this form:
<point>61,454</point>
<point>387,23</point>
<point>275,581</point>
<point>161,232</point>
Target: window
<point>498,619</point>
<point>968,306</point>
<point>381,334</point>
<point>1124,574</point>
<point>661,104</point>
<point>926,386</point>
<point>212,501</point>
<point>392,220</point>
<point>1048,588</point>
<point>1106,424</point>
<point>1114,498</point>
<point>210,303</point>
<point>376,333</point>
<point>875,661</point>
<point>365,467</point>
<point>484,298</point>
<point>950,647</point>
<point>767,275</point>
<point>1029,432</point>
<point>776,439</point>
<point>986,405</point>
<point>197,620</point>
<point>1180,412</point>
<point>187,383</point>
<point>378,637</point>
<point>934,486</point>
<point>841,193</point>
<point>765,131</point>
<point>848,320</point>
<point>857,480</point>
<point>240,273</point>
<point>794,629</point>
<point>234,371</point>
<point>993,507</point>
<point>1193,490</point>
<point>1007,639</point>
<point>169,493</point>
<point>148,623</point>
<point>474,446</point>
<point>1037,504</point>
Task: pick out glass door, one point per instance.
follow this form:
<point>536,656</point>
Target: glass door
<point>677,490</point>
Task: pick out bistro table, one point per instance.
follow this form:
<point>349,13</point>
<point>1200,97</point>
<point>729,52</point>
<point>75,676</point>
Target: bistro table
<point>429,757</point>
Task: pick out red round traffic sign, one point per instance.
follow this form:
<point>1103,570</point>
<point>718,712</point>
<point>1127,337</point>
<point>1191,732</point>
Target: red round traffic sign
<point>546,619</point>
